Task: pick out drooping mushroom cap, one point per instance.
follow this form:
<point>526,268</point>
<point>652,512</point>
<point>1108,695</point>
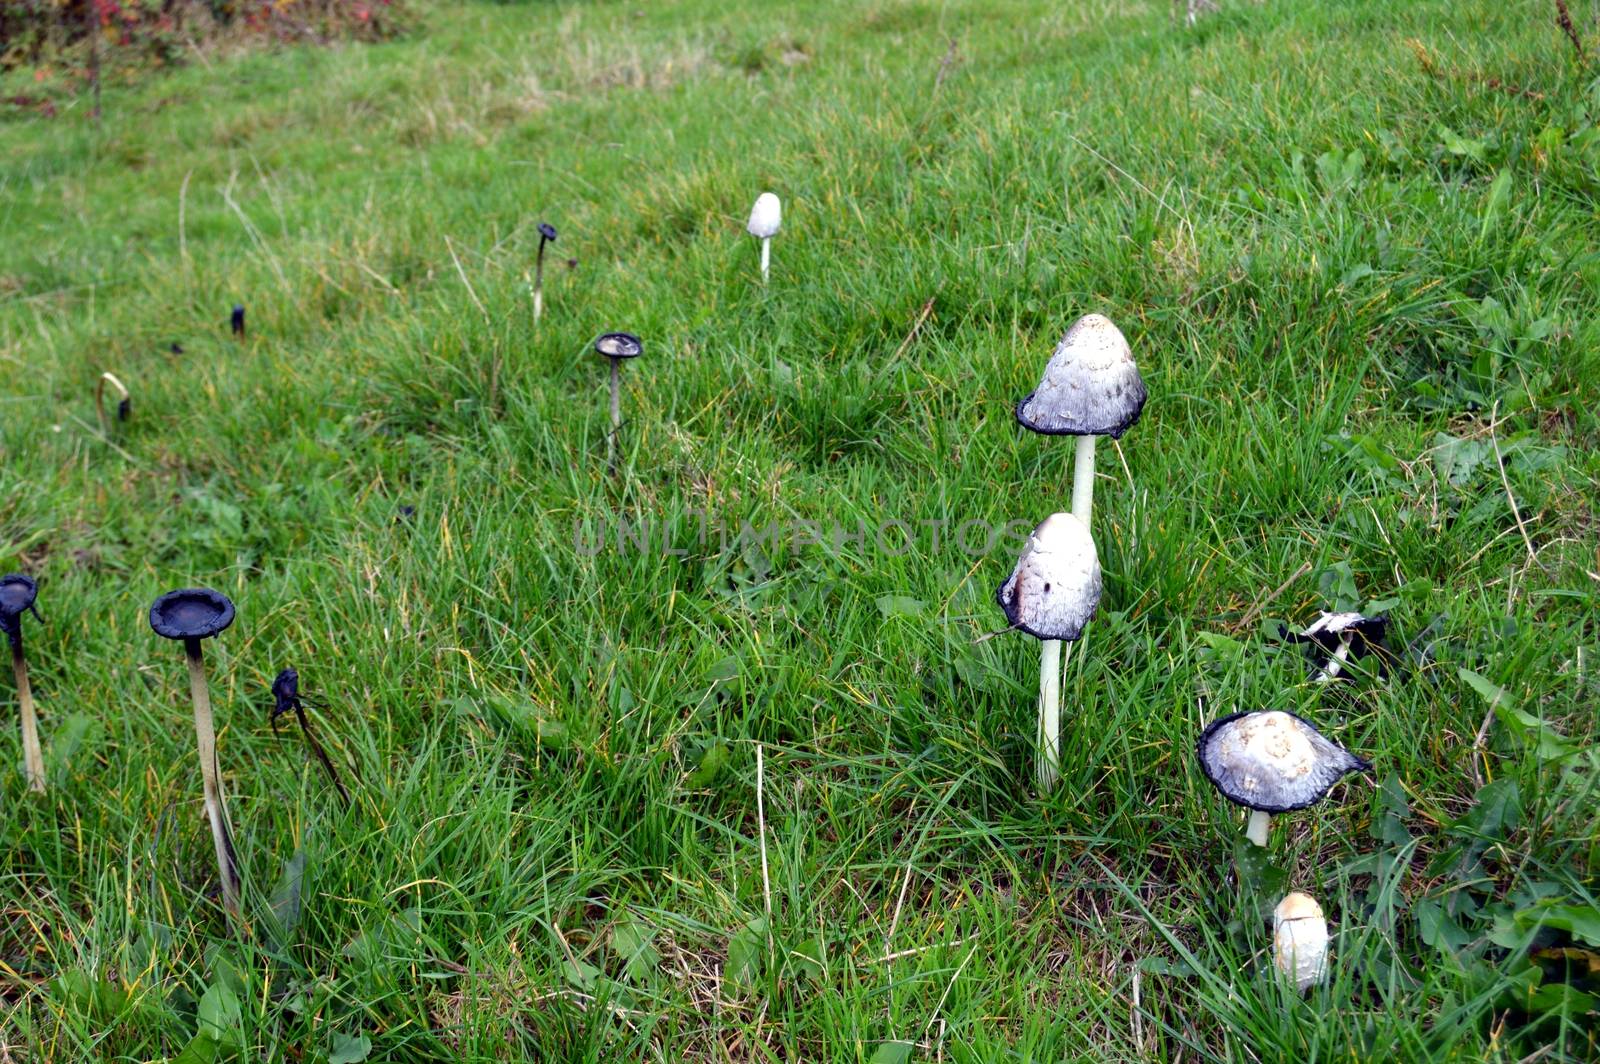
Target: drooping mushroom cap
<point>1274,762</point>
<point>1054,589</point>
<point>765,216</point>
<point>1300,940</point>
<point>286,686</point>
<point>191,613</point>
<point>1091,386</point>
<point>1331,629</point>
<point>547,231</point>
<point>17,593</point>
<point>619,345</point>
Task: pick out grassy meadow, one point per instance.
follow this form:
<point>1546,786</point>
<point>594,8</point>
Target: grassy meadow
<point>702,793</point>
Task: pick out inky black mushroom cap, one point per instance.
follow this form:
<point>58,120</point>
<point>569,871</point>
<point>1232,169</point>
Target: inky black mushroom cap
<point>191,613</point>
<point>1364,634</point>
<point>547,231</point>
<point>286,687</point>
<point>619,345</point>
<point>17,593</point>
<point>1304,786</point>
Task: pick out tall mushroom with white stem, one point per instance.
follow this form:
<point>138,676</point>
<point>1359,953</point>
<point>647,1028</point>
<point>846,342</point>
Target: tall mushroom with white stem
<point>765,218</point>
<point>1272,762</point>
<point>1051,595</point>
<point>17,595</point>
<point>1336,638</point>
<point>191,615</point>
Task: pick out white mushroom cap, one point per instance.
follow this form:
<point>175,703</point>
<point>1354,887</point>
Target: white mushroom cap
<point>765,216</point>
<point>1054,589</point>
<point>1333,623</point>
<point>1091,386</point>
<point>1300,940</point>
<point>1274,762</point>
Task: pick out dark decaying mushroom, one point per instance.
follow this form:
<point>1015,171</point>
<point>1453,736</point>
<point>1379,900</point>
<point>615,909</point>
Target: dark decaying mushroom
<point>1335,638</point>
<point>286,698</point>
<point>190,615</point>
<point>17,596</point>
<point>616,347</point>
<point>547,235</point>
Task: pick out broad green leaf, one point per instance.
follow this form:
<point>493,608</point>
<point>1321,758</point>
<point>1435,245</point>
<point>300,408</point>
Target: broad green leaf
<point>220,1016</point>
<point>348,1049</point>
<point>810,958</point>
<point>891,1053</point>
<point>711,767</point>
<point>745,952</point>
<point>632,941</point>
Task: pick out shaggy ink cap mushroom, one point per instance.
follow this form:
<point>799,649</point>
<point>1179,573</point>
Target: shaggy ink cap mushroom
<point>765,217</point>
<point>1363,634</point>
<point>547,231</point>
<point>17,595</point>
<point>615,345</point>
<point>1272,762</point>
<point>191,613</point>
<point>1055,588</point>
<point>285,689</point>
<point>1091,386</point>
<point>1300,940</point>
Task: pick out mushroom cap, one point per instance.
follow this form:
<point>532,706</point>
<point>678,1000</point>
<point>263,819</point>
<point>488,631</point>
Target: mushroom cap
<point>191,613</point>
<point>1330,629</point>
<point>547,231</point>
<point>1300,940</point>
<point>766,216</point>
<point>1090,387</point>
<point>619,345</point>
<point>17,593</point>
<point>286,685</point>
<point>1274,762</point>
<point>1055,587</point>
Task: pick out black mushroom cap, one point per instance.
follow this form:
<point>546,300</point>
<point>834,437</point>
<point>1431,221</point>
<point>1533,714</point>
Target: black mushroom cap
<point>1091,385</point>
<point>286,686</point>
<point>1364,634</point>
<point>547,231</point>
<point>17,593</point>
<point>191,613</point>
<point>1274,762</point>
<point>619,345</point>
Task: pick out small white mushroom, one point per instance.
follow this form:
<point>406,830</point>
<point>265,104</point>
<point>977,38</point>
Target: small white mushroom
<point>1051,594</point>
<point>765,218</point>
<point>1300,940</point>
<point>1339,636</point>
<point>1273,762</point>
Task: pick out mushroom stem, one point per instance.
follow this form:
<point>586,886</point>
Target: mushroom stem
<point>1083,479</point>
<point>538,282</point>
<point>1256,829</point>
<point>206,739</point>
<point>616,415</point>
<point>1047,759</point>
<point>32,755</point>
<point>99,397</point>
<point>1336,662</point>
<point>766,257</point>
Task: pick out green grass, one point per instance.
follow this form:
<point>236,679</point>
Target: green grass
<point>1334,266</point>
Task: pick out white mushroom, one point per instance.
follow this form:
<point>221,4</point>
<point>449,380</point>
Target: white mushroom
<point>1300,940</point>
<point>1271,762</point>
<point>1051,594</point>
<point>765,218</point>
